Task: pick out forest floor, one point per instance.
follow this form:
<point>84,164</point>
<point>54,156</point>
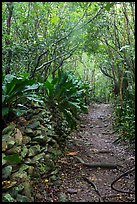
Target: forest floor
<point>83,174</point>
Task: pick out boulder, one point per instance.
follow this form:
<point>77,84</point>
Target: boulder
<point>18,137</point>
<point>37,157</point>
<point>6,172</point>
<point>20,176</point>
<point>30,170</point>
<point>24,151</point>
<point>23,167</point>
<point>40,138</point>
<point>34,124</point>
<point>34,150</point>
<point>14,149</point>
<point>4,146</point>
<point>3,160</point>
<point>28,131</point>
<point>26,139</point>
<point>16,189</point>
<point>7,198</point>
<point>22,198</point>
<point>9,128</point>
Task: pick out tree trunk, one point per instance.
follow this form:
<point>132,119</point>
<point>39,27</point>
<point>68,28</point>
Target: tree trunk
<point>8,42</point>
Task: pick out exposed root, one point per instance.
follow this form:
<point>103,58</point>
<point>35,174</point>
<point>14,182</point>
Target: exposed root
<point>122,175</point>
<point>96,165</point>
<point>94,186</point>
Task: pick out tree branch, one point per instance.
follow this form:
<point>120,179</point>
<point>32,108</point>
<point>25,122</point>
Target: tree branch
<point>52,60</point>
<point>106,74</point>
<point>38,60</point>
<point>98,13</point>
<point>61,63</point>
<point>59,40</point>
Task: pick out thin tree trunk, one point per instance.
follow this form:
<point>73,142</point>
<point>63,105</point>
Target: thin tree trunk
<point>8,42</point>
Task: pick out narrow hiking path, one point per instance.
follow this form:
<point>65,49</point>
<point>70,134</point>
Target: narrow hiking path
<point>92,144</point>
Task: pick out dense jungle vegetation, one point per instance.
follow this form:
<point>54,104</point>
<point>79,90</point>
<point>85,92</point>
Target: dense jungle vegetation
<point>57,58</point>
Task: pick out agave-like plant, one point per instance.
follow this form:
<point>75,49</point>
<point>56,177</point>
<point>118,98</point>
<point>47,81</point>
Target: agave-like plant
<point>67,93</point>
<point>15,91</point>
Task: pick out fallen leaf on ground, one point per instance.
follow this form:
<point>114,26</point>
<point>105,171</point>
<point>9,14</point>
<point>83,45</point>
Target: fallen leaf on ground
<point>72,153</point>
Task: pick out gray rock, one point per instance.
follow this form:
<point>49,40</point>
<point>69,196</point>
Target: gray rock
<point>4,146</point>
<point>34,125</point>
<point>7,198</point>
<point>18,137</point>
<point>37,132</point>
<point>27,189</point>
<point>26,139</point>
<point>7,141</point>
<point>37,157</point>
<point>22,198</point>
<point>23,167</point>
<point>34,150</point>
<point>16,189</point>
<point>19,176</point>
<point>3,160</point>
<point>28,130</point>
<point>24,151</point>
<point>5,137</point>
<point>28,161</point>
<point>14,149</point>
<point>10,142</point>
<point>6,171</point>
<point>40,138</point>
<point>9,128</point>
<point>45,148</point>
<point>30,170</point>
<point>55,151</point>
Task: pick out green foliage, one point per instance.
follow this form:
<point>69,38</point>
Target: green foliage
<point>8,198</point>
<point>69,94</point>
<point>16,90</point>
<point>102,90</point>
<point>125,120</point>
<point>13,158</point>
<point>109,5</point>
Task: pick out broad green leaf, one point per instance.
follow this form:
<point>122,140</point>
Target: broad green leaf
<point>13,158</point>
<point>18,111</point>
<point>32,87</point>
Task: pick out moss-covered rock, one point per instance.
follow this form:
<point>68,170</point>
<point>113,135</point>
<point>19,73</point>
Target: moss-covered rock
<point>24,151</point>
<point>3,160</point>
<point>34,124</point>
<point>7,198</point>
<point>26,139</point>
<point>16,189</point>
<point>10,128</point>
<point>6,172</point>
<point>34,150</point>
<point>18,137</point>
<point>22,198</point>
<point>36,144</point>
<point>28,131</point>
<point>14,149</point>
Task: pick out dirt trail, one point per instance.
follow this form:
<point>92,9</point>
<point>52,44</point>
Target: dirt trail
<point>93,141</point>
